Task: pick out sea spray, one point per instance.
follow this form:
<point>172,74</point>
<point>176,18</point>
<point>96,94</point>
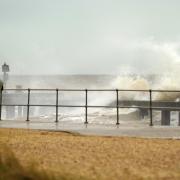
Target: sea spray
<point>167,83</point>
<point>131,83</point>
<point>121,82</point>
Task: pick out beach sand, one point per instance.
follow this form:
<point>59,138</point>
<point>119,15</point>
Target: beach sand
<point>94,157</point>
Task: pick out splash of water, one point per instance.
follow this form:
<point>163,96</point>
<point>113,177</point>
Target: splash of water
<point>167,83</point>
<point>131,83</point>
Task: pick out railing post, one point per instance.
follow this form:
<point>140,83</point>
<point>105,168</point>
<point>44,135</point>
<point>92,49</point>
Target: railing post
<point>57,97</point>
<point>28,105</point>
<point>150,107</point>
<point>1,90</point>
<point>86,106</point>
<point>117,106</point>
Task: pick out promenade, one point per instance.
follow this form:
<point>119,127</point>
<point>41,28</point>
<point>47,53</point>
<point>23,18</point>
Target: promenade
<point>130,130</point>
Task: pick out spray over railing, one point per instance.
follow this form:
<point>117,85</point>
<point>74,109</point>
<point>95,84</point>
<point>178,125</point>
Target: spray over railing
<point>117,105</point>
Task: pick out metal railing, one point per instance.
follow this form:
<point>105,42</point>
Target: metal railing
<point>86,106</point>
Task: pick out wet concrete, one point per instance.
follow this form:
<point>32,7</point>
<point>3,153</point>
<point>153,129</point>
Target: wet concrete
<point>143,130</point>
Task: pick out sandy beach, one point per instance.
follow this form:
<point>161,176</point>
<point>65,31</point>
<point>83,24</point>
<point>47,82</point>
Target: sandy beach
<point>94,157</point>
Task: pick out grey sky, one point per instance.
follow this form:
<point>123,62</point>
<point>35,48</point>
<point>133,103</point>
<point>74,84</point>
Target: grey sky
<point>89,36</point>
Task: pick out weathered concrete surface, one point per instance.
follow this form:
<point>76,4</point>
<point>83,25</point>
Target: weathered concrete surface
<point>102,130</point>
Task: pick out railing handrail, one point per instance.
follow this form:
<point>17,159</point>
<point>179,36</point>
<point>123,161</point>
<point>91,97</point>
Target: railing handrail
<point>59,89</point>
<point>86,106</point>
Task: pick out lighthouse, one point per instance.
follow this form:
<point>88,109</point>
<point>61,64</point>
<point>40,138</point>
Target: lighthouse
<point>5,70</point>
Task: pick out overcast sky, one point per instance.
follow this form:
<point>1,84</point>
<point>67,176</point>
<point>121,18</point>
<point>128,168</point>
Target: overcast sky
<point>89,36</point>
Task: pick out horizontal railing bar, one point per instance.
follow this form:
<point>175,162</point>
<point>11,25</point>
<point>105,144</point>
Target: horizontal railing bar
<point>117,106</point>
<point>117,89</point>
<point>71,90</point>
<point>44,89</point>
<point>49,105</point>
<point>46,105</point>
<point>58,89</point>
<point>161,101</point>
<point>166,108</point>
<point>91,106</point>
<point>14,105</point>
<point>59,105</point>
<point>108,90</point>
<point>15,89</point>
<point>165,90</point>
<point>135,90</point>
<point>30,89</point>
